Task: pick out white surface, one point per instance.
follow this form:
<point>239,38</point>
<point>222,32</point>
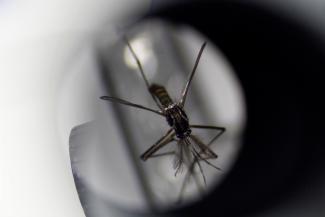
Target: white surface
<point>38,42</point>
<point>98,154</point>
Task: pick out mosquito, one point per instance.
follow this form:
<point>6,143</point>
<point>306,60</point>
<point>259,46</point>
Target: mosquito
<point>190,148</point>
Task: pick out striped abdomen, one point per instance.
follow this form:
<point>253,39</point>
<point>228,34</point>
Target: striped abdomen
<point>161,93</point>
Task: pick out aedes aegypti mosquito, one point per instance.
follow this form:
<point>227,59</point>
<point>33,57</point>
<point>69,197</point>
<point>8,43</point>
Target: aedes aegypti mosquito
<point>191,150</point>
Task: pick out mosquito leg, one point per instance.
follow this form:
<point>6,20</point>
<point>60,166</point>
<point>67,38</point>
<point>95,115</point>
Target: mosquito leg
<point>196,178</point>
<point>178,164</point>
<point>124,102</point>
<point>167,138</point>
<point>189,154</point>
<point>186,179</point>
<point>141,70</point>
<point>197,156</point>
<point>192,173</point>
<point>163,154</point>
<point>220,129</point>
<point>196,160</point>
<point>166,153</point>
<point>204,148</point>
<point>205,160</point>
<point>185,90</point>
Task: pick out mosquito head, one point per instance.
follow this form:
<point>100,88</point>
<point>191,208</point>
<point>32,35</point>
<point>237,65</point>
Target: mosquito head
<point>178,120</point>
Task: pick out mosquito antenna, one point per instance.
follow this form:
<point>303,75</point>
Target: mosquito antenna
<point>141,69</point>
<point>185,90</point>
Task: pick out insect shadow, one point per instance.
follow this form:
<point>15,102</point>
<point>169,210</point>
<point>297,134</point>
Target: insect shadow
<point>190,149</point>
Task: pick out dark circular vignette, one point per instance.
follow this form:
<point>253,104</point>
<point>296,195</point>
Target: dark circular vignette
<point>279,63</point>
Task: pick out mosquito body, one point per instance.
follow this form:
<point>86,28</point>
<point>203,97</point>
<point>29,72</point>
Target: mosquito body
<point>190,149</point>
<point>175,114</point>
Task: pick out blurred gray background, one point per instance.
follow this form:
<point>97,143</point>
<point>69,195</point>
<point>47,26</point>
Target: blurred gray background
<point>42,44</point>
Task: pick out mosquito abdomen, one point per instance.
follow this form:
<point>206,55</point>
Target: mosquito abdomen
<point>162,95</point>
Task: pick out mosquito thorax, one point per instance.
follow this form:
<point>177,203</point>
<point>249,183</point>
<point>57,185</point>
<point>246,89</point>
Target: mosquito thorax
<point>178,120</point>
